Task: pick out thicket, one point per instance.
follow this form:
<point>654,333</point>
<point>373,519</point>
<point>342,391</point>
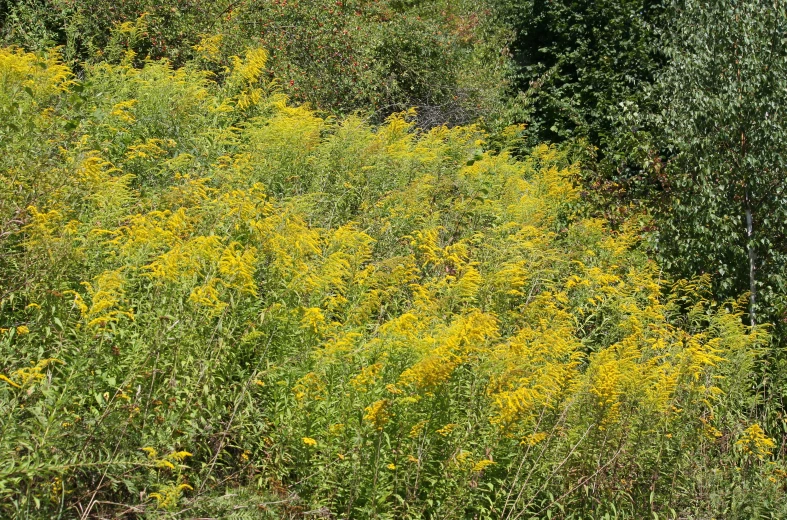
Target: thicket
<point>679,105</point>
<point>577,62</point>
<point>448,58</point>
<point>196,265</point>
<point>219,303</point>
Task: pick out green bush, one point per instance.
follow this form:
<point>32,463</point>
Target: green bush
<point>447,58</point>
<point>578,61</point>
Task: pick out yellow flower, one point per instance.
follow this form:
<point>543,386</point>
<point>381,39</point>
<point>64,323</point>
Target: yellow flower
<point>168,496</point>
<point>56,489</point>
<point>179,456</point>
<point>417,428</point>
<point>313,319</point>
<point>309,387</point>
<point>122,110</point>
<point>463,457</point>
<point>754,441</point>
<point>31,375</point>
<point>308,441</point>
<point>22,330</point>
<point>447,429</point>
<point>533,439</point>
<point>377,414</point>
<point>161,463</point>
<point>362,381</point>
<point>152,453</point>
<point>209,47</point>
<point>483,464</point>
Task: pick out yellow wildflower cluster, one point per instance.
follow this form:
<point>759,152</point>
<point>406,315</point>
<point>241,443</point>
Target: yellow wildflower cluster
<point>246,73</point>
<point>755,442</point>
<point>209,47</point>
<point>256,277</point>
<point>167,497</point>
<point>29,376</point>
<point>377,414</point>
<point>106,294</point>
<point>43,76</point>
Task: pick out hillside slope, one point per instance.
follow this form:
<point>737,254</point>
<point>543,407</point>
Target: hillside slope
<point>218,304</point>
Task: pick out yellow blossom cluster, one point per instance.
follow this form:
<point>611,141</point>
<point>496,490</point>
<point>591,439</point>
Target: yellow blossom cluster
<point>320,300</point>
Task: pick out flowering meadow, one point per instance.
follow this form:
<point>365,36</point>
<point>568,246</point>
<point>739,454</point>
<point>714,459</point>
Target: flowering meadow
<point>216,303</point>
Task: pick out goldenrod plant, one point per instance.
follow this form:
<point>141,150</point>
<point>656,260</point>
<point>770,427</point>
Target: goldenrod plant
<point>215,303</point>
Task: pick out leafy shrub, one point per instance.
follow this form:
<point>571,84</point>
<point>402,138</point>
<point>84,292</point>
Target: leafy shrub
<point>577,62</point>
<point>447,57</point>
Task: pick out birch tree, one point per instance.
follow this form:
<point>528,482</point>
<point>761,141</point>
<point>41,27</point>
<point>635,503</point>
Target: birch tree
<point>725,128</point>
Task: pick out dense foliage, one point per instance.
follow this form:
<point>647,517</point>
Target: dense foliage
<point>246,283</point>
<point>577,62</point>
<point>720,208</point>
<point>445,57</point>
<point>218,303</point>
<point>725,130</point>
<point>681,104</point>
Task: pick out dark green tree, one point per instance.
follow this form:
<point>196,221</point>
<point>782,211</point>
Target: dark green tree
<point>579,60</point>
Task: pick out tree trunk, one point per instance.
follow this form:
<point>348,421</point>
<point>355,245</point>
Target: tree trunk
<point>752,260</point>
